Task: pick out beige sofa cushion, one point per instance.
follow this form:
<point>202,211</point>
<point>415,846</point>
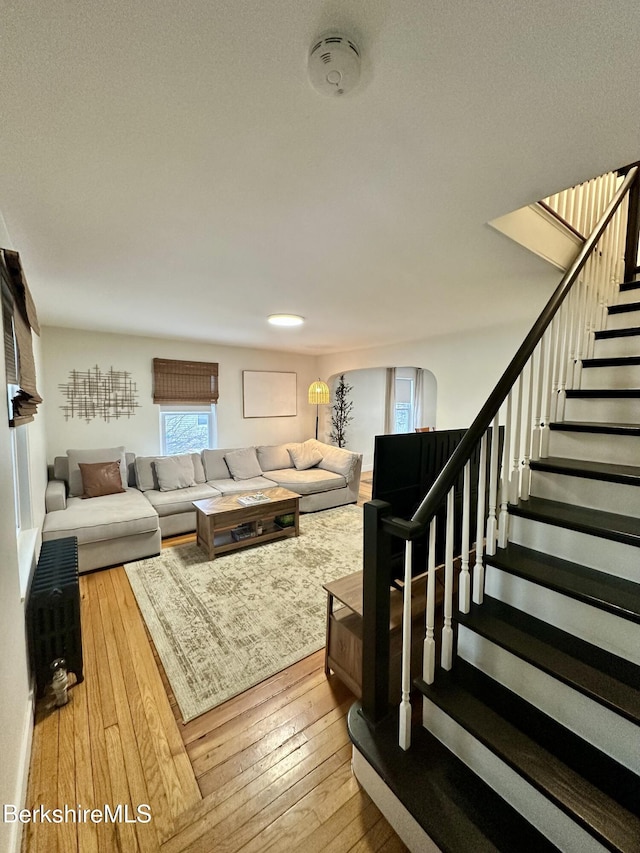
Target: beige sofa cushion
<point>105,454</point>
<point>179,500</point>
<point>304,456</point>
<point>230,487</point>
<point>215,468</point>
<point>145,469</point>
<point>339,461</point>
<point>243,464</point>
<point>273,457</point>
<point>307,482</point>
<point>174,472</point>
<point>103,518</point>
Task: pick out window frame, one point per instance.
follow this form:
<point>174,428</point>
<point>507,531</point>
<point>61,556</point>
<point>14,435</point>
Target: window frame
<point>208,411</point>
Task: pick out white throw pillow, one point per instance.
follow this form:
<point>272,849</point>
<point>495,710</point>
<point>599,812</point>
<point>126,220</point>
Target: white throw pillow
<point>175,472</point>
<point>243,463</point>
<point>304,457</point>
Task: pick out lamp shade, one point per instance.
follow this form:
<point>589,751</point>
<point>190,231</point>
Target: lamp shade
<point>318,392</point>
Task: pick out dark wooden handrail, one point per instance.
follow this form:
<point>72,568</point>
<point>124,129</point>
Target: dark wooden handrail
<point>451,471</point>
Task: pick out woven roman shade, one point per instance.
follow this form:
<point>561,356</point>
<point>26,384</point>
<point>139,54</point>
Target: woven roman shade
<point>190,382</point>
<point>19,318</point>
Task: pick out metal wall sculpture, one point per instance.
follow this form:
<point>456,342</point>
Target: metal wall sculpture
<point>93,394</point>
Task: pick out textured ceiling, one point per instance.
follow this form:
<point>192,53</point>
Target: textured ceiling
<point>167,169</point>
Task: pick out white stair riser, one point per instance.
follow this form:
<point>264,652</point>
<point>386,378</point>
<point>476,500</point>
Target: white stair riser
<point>582,491</point>
<point>617,347</point>
<point>614,558</point>
<point>618,636</point>
<point>527,800</point>
<point>599,726</point>
<point>627,297</point>
<point>621,376</point>
<point>601,410</point>
<point>624,320</point>
<point>594,446</point>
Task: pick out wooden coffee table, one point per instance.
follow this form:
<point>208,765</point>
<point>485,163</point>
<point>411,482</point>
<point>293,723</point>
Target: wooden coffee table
<point>222,522</point>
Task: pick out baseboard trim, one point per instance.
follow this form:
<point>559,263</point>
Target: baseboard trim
<point>22,782</point>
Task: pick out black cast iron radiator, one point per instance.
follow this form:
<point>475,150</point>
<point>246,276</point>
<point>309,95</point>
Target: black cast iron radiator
<point>53,612</point>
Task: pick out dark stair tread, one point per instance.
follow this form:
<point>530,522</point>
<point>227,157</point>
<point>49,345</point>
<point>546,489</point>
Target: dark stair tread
<point>595,522</point>
<point>614,361</point>
<point>577,663</point>
<point>457,693</point>
<point>608,393</point>
<point>589,426</point>
<point>606,334</point>
<point>629,285</point>
<point>598,589</point>
<point>456,808</point>
<point>624,309</point>
<point>625,474</point>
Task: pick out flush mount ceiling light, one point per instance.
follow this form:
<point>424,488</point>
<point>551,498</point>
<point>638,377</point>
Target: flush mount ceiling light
<point>334,65</point>
<point>285,319</point>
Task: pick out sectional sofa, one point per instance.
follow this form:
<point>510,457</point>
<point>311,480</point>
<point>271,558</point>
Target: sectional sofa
<point>154,495</point>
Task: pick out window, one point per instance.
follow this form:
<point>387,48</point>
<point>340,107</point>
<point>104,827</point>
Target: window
<point>187,429</point>
<point>404,405</point>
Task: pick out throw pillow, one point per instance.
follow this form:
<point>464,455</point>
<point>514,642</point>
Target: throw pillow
<point>339,461</point>
<point>107,454</point>
<point>243,463</point>
<point>100,478</point>
<point>304,457</point>
<point>175,472</point>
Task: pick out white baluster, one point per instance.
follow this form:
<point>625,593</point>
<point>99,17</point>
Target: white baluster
<point>464,582</point>
<point>555,367</point>
<point>446,658</point>
<point>525,479</point>
<point>514,482</point>
<point>503,520</point>
<point>492,521</point>
<point>405,705</point>
<point>549,337</point>
<point>429,648</point>
<point>535,436</point>
<point>478,569</point>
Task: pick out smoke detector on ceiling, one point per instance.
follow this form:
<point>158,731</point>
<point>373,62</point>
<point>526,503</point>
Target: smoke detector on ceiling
<point>334,65</point>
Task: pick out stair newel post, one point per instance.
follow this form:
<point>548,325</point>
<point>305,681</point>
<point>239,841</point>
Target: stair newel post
<point>492,521</point>
<point>478,569</point>
<point>429,648</point>
<point>503,520</point>
<point>528,434</point>
<point>464,582</point>
<point>405,704</point>
<point>446,658</point>
<point>376,611</point>
<point>514,482</point>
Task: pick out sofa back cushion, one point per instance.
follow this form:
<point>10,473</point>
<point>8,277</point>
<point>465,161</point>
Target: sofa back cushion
<point>304,456</point>
<point>147,478</point>
<point>175,472</point>
<point>215,468</point>
<point>274,457</point>
<point>339,461</point>
<point>105,454</point>
<point>243,464</point>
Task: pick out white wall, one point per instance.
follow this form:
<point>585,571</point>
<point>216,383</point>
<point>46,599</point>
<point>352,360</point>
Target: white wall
<point>466,366</point>
<point>68,349</point>
<point>367,396</point>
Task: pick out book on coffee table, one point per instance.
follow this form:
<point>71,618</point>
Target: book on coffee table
<point>250,500</point>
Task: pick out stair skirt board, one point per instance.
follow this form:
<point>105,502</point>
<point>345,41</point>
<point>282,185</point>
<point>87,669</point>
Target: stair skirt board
<point>618,376</point>
<point>595,552</point>
<point>601,727</point>
<point>404,824</point>
<point>623,319</point>
<point>619,636</point>
<point>584,491</point>
<point>550,820</point>
<point>602,410</point>
<point>595,446</point>
<point>617,347</point>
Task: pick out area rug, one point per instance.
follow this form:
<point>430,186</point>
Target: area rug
<point>224,625</point>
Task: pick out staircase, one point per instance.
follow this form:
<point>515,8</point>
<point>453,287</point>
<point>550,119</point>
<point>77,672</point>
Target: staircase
<point>531,736</point>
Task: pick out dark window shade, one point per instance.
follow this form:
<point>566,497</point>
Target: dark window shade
<point>189,382</point>
<point>10,361</point>
<point>21,312</point>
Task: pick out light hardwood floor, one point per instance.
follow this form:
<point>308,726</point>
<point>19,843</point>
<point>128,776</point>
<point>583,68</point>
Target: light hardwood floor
<point>267,770</point>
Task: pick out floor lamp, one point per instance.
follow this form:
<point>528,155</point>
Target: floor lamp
<point>318,394</point>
